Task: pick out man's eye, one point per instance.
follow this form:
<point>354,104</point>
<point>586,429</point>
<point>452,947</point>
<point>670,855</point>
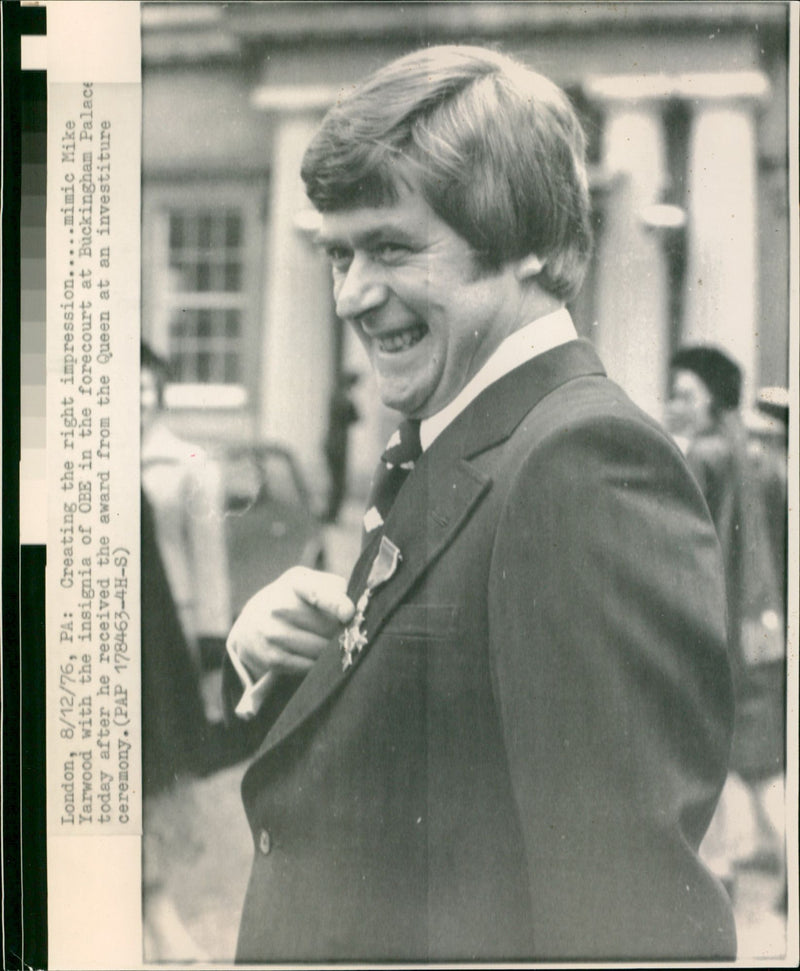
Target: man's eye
<point>389,252</point>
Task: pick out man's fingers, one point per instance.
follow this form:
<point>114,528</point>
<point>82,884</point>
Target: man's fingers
<point>287,624</point>
<point>278,647</point>
<point>292,663</point>
<point>327,592</point>
<point>295,640</point>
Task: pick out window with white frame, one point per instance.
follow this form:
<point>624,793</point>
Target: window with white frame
<point>205,320</point>
<point>201,291</point>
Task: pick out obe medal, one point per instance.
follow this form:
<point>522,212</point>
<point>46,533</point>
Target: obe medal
<point>353,638</point>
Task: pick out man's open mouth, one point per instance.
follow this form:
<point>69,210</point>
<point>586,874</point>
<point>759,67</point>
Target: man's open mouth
<point>401,340</point>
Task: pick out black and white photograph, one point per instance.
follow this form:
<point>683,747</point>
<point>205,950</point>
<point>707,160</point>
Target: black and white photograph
<point>467,359</point>
<point>464,481</point>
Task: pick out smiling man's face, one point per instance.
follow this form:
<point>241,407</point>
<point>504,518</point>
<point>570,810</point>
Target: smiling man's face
<point>410,287</point>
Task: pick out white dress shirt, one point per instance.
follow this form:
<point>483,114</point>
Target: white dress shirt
<point>518,348</point>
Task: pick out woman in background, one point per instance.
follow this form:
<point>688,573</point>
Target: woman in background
<point>183,485</point>
<point>704,416</point>
<point>175,744</point>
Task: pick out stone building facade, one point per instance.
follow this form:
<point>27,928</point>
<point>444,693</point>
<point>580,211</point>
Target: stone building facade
<point>686,109</point>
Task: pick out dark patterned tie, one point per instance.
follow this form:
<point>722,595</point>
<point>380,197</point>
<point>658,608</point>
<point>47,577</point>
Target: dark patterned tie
<point>402,451</point>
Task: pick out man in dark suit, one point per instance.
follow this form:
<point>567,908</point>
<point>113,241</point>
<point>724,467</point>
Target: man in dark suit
<point>504,738</point>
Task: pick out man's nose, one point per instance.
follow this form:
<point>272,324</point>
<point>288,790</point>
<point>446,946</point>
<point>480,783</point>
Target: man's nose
<point>360,289</point>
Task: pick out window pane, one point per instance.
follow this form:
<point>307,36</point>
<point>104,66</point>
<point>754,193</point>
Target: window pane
<point>233,229</point>
<point>203,323</point>
<point>203,277</point>
<point>231,368</point>
<point>204,230</point>
<point>207,271</point>
<point>183,278</point>
<point>179,368</point>
<point>217,277</point>
<point>175,230</point>
<point>233,277</point>
<point>203,366</point>
<point>177,325</point>
<point>231,323</point>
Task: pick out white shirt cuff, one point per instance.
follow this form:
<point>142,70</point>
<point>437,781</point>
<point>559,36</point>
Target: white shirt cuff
<point>254,691</point>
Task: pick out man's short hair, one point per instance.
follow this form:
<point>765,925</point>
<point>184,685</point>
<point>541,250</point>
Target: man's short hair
<point>496,149</point>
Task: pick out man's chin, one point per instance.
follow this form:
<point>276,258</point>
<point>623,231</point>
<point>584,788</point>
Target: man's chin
<point>405,403</point>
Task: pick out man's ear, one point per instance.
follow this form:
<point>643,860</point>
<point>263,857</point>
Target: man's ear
<point>529,266</point>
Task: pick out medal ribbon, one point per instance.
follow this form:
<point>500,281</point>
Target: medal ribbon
<point>353,639</point>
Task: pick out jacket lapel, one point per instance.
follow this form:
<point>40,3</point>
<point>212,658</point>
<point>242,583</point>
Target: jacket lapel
<point>434,503</point>
<point>445,487</point>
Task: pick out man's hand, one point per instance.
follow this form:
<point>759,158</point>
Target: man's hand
<point>284,627</point>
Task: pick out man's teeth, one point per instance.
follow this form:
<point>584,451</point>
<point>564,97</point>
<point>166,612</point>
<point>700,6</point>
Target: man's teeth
<point>403,340</point>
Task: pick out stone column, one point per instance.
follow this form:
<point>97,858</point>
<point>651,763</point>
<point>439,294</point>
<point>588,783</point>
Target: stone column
<point>298,340</point>
<point>722,268</point>
<point>632,327</point>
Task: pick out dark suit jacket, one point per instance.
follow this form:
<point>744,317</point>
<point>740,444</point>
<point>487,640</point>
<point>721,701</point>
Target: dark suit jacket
<point>523,761</point>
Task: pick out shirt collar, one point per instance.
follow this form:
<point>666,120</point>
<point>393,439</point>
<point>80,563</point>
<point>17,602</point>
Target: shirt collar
<point>528,342</point>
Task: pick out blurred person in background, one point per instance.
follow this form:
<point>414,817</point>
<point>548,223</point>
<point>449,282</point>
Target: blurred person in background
<point>184,596</point>
<point>770,448</point>
<point>342,414</point>
<point>742,485</point>
<point>184,487</point>
<point>175,744</point>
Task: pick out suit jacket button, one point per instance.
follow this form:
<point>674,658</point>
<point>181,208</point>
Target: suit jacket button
<point>264,842</point>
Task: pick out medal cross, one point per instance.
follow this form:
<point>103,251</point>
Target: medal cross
<point>353,639</point>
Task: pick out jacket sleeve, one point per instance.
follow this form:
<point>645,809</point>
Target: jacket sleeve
<point>607,637</point>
